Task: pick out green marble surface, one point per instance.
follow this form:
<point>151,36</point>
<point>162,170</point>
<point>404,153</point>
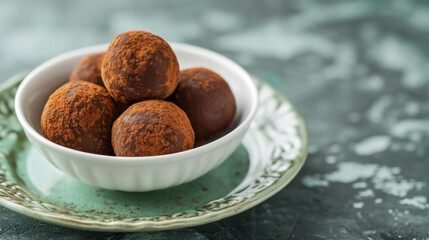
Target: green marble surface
<point>357,70</point>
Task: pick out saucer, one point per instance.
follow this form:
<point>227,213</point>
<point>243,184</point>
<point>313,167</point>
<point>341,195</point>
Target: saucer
<point>269,157</point>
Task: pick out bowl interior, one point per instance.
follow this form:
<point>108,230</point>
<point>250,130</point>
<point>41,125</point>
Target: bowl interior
<point>44,80</point>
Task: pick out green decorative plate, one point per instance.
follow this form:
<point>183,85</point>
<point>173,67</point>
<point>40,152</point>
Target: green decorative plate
<point>269,157</point>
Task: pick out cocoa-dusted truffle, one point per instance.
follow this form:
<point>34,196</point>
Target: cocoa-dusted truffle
<point>139,65</point>
<point>89,69</point>
<point>80,115</point>
<point>152,127</point>
<point>207,100</point>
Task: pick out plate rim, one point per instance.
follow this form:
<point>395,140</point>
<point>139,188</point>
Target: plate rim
<point>170,224</point>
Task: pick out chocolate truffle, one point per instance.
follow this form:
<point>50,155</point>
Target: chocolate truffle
<point>207,100</point>
<point>139,65</point>
<point>152,127</point>
<point>89,69</point>
<point>80,115</point>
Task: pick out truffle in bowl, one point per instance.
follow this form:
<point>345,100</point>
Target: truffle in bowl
<point>135,173</point>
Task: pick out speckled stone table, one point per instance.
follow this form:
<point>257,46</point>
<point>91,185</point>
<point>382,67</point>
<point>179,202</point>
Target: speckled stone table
<point>358,71</point>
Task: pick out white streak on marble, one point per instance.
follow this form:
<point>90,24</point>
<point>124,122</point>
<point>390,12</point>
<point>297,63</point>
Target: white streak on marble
<point>366,193</point>
<point>369,232</point>
<point>382,178</point>
<point>314,181</point>
<point>245,58</point>
<point>372,145</point>
<point>388,180</point>
<point>331,159</point>
<point>275,39</point>
<point>221,20</point>
<point>418,202</point>
<point>416,136</point>
<point>360,185</point>
<point>345,58</point>
<point>351,171</point>
<point>399,189</point>
<point>412,108</point>
<point>358,205</point>
<point>377,110</point>
<point>378,201</point>
<point>393,53</point>
<point>328,13</point>
<point>405,127</point>
<point>419,19</point>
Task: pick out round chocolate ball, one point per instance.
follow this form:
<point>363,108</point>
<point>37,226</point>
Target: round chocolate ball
<point>207,100</point>
<point>139,65</point>
<point>89,69</point>
<point>152,127</point>
<point>80,115</point>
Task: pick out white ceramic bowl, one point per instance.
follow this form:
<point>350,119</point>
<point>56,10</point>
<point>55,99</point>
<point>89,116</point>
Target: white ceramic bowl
<point>135,173</point>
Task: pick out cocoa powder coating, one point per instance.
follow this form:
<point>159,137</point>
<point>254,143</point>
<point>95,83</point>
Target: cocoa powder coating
<point>207,100</point>
<point>80,115</point>
<point>89,69</point>
<point>139,65</point>
<point>152,127</point>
